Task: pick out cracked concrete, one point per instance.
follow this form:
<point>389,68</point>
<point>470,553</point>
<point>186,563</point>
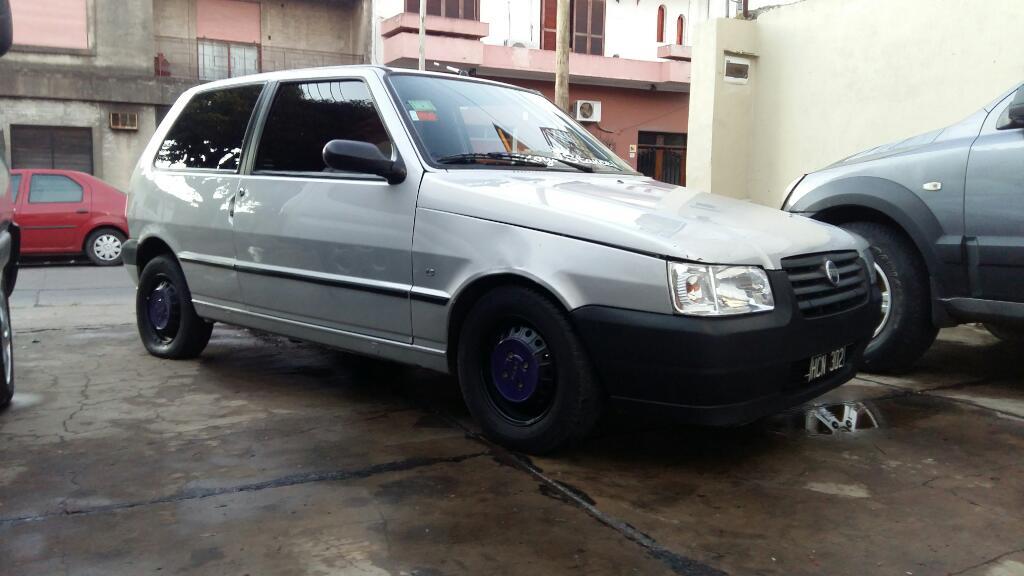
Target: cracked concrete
<point>267,456</point>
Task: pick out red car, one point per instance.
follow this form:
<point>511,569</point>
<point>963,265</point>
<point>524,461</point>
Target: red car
<point>68,212</point>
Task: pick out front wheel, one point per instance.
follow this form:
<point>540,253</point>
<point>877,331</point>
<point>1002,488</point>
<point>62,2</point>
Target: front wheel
<point>103,247</point>
<point>168,324</point>
<point>524,373</point>
<point>905,329</point>
<point>6,351</point>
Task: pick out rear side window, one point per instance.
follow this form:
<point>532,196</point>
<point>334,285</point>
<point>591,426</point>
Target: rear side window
<point>50,188</point>
<point>306,116</point>
<point>209,131</point>
<point>15,184</point>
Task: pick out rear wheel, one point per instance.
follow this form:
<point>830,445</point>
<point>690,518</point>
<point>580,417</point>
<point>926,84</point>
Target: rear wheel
<point>524,373</point>
<point>905,330</point>
<point>6,351</point>
<point>168,324</point>
<point>103,246</point>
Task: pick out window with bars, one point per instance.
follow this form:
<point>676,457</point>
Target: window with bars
<point>463,9</point>
<point>219,60</point>
<point>586,26</point>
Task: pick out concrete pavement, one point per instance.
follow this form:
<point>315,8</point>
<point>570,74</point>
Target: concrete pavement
<point>267,456</point>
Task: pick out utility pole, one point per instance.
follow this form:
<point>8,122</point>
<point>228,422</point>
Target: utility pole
<point>562,56</point>
<point>423,34</point>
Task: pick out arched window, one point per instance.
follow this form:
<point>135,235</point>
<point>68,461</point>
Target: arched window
<point>680,26</point>
<point>661,23</point>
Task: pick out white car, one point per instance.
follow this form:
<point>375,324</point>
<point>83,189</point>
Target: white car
<point>471,227</point>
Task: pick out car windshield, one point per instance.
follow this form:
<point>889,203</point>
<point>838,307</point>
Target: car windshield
<point>484,125</point>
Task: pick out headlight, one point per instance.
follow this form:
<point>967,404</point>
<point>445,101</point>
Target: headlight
<point>719,290</point>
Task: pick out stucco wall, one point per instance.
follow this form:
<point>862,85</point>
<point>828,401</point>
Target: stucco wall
<point>833,77</point>
<point>114,152</point>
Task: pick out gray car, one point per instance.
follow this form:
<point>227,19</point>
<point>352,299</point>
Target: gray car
<point>944,213</point>
<point>471,227</point>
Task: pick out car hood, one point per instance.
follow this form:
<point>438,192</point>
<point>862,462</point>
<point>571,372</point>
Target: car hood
<point>634,213</point>
<point>891,149</point>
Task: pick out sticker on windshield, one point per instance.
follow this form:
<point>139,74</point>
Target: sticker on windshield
<point>422,111</point>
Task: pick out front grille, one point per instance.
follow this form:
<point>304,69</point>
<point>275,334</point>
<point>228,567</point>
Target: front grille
<point>816,295</point>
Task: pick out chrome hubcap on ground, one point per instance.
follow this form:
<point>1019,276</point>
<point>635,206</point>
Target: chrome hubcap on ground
<point>162,309</point>
<point>522,382</point>
<point>107,247</point>
<point>6,342</point>
<point>883,285</point>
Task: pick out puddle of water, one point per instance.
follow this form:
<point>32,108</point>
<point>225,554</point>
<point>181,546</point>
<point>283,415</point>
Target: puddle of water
<point>829,419</point>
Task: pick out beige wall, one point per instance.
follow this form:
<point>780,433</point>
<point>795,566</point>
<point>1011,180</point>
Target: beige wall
<point>833,77</point>
<point>114,152</point>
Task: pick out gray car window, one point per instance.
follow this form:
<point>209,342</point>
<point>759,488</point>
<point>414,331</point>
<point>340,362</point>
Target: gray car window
<point>208,133</point>
<point>306,116</point>
<point>51,188</point>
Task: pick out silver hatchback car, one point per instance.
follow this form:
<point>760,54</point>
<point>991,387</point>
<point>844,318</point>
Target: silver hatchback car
<point>471,227</point>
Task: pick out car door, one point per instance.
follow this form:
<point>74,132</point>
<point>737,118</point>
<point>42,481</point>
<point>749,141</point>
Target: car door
<point>318,247</point>
<point>195,177</point>
<point>53,211</point>
<point>994,208</point>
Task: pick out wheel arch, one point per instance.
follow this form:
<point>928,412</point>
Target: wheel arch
<point>471,293</point>
<point>882,201</point>
<point>150,248</point>
<point>97,226</point>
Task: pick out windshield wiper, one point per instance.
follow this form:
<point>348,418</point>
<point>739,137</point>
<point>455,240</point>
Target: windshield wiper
<point>535,160</point>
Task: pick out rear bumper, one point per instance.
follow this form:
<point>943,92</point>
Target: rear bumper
<point>721,371</point>
<point>129,254</point>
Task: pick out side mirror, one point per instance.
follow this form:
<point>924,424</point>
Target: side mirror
<point>1014,116</point>
<point>356,156</point>
<point>6,27</point>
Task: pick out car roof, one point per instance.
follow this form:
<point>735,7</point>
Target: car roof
<point>328,71</point>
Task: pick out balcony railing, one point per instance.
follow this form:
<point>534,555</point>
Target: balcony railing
<point>179,58</point>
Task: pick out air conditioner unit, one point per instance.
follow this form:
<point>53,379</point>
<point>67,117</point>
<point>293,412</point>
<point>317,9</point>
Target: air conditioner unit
<point>587,110</point>
<point>124,120</point>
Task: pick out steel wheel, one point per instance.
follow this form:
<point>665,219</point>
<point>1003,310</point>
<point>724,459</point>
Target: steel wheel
<point>883,285</point>
<point>6,348</point>
<point>107,247</point>
<point>519,373</point>
<point>162,309</point>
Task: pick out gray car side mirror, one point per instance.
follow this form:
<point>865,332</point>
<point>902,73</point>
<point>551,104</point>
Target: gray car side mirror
<point>1014,116</point>
<point>363,157</point>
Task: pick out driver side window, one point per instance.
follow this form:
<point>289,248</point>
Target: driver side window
<point>305,116</point>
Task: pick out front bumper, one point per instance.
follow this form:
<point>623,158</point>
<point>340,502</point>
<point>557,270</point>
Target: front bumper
<point>722,371</point>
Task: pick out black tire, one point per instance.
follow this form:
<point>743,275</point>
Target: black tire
<point>909,331</point>
<point>103,246</point>
<point>167,321</point>
<point>1014,334</point>
<point>565,400</point>
<point>6,352</point>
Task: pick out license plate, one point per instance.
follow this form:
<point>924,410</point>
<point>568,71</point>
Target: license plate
<point>822,365</point>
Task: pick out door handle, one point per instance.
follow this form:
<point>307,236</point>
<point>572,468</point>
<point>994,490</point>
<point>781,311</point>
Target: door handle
<point>81,211</point>
<point>242,192</point>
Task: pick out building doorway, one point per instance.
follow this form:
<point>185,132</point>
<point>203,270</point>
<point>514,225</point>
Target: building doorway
<point>662,156</point>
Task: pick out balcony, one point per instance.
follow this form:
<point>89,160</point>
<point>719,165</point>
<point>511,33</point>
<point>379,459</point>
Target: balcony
<point>179,58</point>
<point>458,43</point>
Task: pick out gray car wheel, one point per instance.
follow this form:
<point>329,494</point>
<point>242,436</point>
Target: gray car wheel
<point>6,351</point>
<point>905,330</point>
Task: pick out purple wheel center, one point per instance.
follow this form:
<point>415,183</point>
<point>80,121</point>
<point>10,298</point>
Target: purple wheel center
<point>161,305</point>
<point>515,369</point>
